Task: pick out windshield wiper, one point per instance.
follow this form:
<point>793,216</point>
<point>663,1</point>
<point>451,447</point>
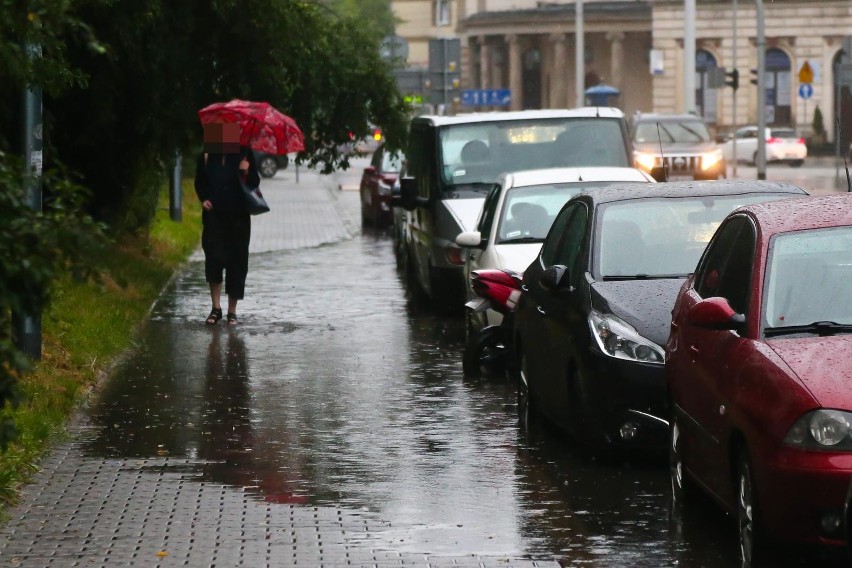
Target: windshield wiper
<point>643,277</point>
<point>521,240</point>
<point>821,328</point>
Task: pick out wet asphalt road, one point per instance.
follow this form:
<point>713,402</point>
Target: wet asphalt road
<point>338,392</point>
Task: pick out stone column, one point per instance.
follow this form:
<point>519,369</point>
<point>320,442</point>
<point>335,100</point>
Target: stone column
<point>558,88</point>
<point>484,63</point>
<point>616,64</point>
<point>515,70</point>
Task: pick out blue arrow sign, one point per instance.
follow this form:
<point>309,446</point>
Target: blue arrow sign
<point>806,91</point>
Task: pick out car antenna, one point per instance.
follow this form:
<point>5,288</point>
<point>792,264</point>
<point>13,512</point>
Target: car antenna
<point>845,163</point>
<point>662,158</point>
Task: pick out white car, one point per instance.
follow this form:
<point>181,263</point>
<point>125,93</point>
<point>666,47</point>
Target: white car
<point>782,145</point>
<point>517,215</point>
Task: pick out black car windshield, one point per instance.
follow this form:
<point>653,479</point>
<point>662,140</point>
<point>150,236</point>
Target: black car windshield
<point>528,212</point>
<point>660,237</point>
<point>685,131</point>
<point>808,281</point>
<point>479,152</point>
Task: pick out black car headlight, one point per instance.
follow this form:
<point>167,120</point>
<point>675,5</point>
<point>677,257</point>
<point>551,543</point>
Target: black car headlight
<point>822,429</point>
<point>619,339</point>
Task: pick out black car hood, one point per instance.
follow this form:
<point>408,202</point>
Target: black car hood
<point>644,304</point>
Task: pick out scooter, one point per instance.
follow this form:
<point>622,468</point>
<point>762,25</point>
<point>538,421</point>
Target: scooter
<point>489,348</point>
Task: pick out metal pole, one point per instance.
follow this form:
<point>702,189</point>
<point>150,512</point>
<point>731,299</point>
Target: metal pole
<point>27,327</point>
<point>761,92</point>
<point>446,74</point>
<point>689,56</point>
<point>580,55</point>
<point>734,93</point>
<point>175,194</point>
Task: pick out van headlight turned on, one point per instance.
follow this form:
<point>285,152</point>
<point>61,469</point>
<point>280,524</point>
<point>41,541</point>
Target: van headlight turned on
<point>710,159</point>
<point>646,161</point>
<point>619,339</point>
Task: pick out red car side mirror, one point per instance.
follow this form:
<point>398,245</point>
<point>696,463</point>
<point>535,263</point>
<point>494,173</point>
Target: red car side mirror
<point>714,313</point>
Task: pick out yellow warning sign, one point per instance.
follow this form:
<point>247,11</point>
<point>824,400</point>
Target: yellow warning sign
<point>806,74</point>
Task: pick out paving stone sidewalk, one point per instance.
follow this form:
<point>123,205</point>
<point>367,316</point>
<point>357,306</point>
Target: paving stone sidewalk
<point>159,511</point>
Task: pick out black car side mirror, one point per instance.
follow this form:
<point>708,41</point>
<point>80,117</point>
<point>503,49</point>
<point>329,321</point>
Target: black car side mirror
<point>408,197</point>
<point>556,279</point>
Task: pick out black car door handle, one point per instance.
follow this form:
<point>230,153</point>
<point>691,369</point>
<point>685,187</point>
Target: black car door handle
<point>524,288</point>
<point>541,310</point>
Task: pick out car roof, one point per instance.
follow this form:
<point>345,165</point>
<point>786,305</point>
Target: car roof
<point>814,212</point>
<point>584,112</point>
<point>676,189</point>
<point>573,175</point>
<point>656,116</point>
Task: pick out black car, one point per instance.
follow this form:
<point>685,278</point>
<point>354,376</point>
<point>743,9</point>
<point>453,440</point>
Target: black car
<point>269,164</point>
<point>596,304</point>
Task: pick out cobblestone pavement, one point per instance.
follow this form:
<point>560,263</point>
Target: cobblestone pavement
<point>86,510</point>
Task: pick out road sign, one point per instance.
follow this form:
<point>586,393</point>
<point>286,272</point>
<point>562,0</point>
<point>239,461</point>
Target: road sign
<point>806,74</point>
<point>486,97</point>
<point>806,91</point>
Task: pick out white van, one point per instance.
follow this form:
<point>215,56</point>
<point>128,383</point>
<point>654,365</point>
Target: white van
<point>454,161</point>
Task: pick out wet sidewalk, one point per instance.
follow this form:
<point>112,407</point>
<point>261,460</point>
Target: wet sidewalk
<point>202,460</point>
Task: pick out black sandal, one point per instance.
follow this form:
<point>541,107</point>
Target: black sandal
<point>214,317</point>
<point>232,318</point>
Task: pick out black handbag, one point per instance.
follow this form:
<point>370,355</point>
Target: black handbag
<point>253,199</point>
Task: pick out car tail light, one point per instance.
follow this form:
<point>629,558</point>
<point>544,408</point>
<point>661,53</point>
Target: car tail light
<point>773,140</point>
<point>454,255</point>
<point>801,140</point>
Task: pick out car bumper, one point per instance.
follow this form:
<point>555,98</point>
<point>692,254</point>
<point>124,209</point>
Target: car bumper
<point>786,153</point>
<point>800,492</point>
<point>632,396</point>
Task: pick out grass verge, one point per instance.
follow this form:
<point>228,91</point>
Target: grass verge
<point>87,327</point>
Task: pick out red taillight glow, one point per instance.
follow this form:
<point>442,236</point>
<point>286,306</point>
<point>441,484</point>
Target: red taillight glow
<point>454,255</point>
<point>773,140</point>
<point>801,140</point>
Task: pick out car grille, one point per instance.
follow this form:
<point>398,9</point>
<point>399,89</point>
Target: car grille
<point>678,165</point>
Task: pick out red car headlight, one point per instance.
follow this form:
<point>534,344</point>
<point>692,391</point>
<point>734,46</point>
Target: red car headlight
<point>822,429</point>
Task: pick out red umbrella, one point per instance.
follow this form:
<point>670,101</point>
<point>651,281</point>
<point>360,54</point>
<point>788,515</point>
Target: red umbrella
<point>262,126</point>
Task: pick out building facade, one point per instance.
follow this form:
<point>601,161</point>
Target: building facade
<point>528,46</point>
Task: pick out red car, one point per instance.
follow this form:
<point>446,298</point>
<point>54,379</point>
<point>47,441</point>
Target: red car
<point>759,372</point>
<point>376,184</point>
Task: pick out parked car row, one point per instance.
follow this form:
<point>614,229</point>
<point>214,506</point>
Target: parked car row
<point>710,321</point>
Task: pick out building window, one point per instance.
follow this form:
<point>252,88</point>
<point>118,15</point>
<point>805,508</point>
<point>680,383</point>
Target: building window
<point>442,12</point>
<point>705,93</point>
<point>778,87</point>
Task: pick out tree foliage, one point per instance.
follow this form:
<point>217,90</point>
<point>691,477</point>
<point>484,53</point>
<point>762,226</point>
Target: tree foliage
<point>35,246</point>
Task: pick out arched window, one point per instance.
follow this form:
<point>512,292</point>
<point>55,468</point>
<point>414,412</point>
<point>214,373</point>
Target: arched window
<point>842,106</point>
<point>705,95</point>
<point>778,87</point>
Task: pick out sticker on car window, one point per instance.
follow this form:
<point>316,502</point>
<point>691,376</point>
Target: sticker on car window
<point>513,234</point>
<point>458,173</point>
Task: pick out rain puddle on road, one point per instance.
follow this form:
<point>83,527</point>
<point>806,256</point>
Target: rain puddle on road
<point>335,390</point>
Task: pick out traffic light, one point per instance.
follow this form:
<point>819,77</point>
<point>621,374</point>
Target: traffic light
<point>754,76</point>
<point>733,80</point>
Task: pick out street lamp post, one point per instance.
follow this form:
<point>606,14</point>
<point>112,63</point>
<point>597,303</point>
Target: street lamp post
<point>580,55</point>
<point>689,56</point>
<point>761,92</point>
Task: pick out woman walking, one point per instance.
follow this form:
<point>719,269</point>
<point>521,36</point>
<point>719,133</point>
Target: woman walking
<point>226,223</point>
